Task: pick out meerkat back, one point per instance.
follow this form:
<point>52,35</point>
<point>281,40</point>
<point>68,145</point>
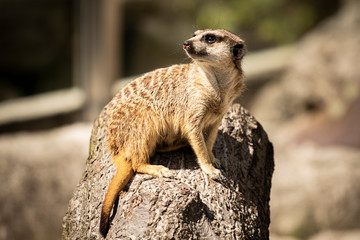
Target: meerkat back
<point>141,113</point>
<point>140,116</point>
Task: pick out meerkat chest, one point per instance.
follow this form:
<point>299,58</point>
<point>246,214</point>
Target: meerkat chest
<point>214,114</point>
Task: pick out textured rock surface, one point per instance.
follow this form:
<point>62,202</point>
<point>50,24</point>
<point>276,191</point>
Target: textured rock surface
<point>313,115</point>
<point>315,189</point>
<point>323,76</point>
<point>38,173</point>
<point>189,206</point>
<point>336,235</point>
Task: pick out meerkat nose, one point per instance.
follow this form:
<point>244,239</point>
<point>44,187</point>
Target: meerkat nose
<point>187,45</point>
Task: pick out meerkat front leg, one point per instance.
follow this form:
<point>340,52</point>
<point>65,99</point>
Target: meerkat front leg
<point>197,142</point>
<point>210,137</point>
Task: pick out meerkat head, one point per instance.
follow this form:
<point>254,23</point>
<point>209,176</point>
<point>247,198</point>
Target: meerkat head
<point>215,47</point>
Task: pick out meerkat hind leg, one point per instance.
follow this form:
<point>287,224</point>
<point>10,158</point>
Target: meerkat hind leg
<point>155,170</point>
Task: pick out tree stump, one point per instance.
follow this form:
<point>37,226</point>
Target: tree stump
<point>190,205</point>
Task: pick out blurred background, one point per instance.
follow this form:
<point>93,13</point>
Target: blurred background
<point>63,60</point>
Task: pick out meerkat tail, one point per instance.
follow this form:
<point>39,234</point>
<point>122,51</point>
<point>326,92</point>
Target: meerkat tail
<point>124,172</point>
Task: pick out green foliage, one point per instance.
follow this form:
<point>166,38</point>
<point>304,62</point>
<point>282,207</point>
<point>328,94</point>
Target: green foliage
<point>270,21</point>
<point>262,24</point>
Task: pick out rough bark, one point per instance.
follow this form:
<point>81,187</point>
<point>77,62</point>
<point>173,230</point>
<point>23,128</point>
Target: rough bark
<point>190,205</point>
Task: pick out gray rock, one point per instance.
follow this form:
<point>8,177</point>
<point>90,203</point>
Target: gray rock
<point>38,172</point>
<point>189,206</point>
<point>312,114</point>
<point>337,235</point>
<point>323,74</point>
<point>315,189</point>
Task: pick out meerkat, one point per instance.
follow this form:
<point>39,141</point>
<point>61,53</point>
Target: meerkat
<point>171,107</point>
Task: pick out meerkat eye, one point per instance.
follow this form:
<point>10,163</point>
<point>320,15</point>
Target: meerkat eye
<point>194,35</point>
<point>210,38</point>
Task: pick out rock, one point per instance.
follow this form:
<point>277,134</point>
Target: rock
<point>277,237</point>
<point>322,76</point>
<point>189,206</point>
<point>312,114</point>
<point>337,235</point>
<point>38,172</point>
<point>315,189</point>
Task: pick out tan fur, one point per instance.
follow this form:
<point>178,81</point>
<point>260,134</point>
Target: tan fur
<point>171,107</point>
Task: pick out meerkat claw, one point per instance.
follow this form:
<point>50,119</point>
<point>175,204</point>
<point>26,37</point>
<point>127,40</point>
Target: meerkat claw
<point>213,173</point>
<point>165,172</point>
<point>216,162</point>
<point>217,175</point>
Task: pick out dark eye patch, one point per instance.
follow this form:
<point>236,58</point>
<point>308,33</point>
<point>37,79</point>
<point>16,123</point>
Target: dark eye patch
<point>210,38</point>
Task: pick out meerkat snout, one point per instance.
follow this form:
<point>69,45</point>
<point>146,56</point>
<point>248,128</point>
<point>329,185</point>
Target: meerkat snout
<point>187,45</point>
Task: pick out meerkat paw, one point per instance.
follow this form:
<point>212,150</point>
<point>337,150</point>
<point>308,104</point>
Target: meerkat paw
<point>212,172</point>
<point>216,162</point>
<point>165,172</point>
<point>155,170</point>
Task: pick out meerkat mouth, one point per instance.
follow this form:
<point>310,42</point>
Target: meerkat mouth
<point>190,50</point>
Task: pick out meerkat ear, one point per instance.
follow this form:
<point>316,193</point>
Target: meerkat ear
<point>238,51</point>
